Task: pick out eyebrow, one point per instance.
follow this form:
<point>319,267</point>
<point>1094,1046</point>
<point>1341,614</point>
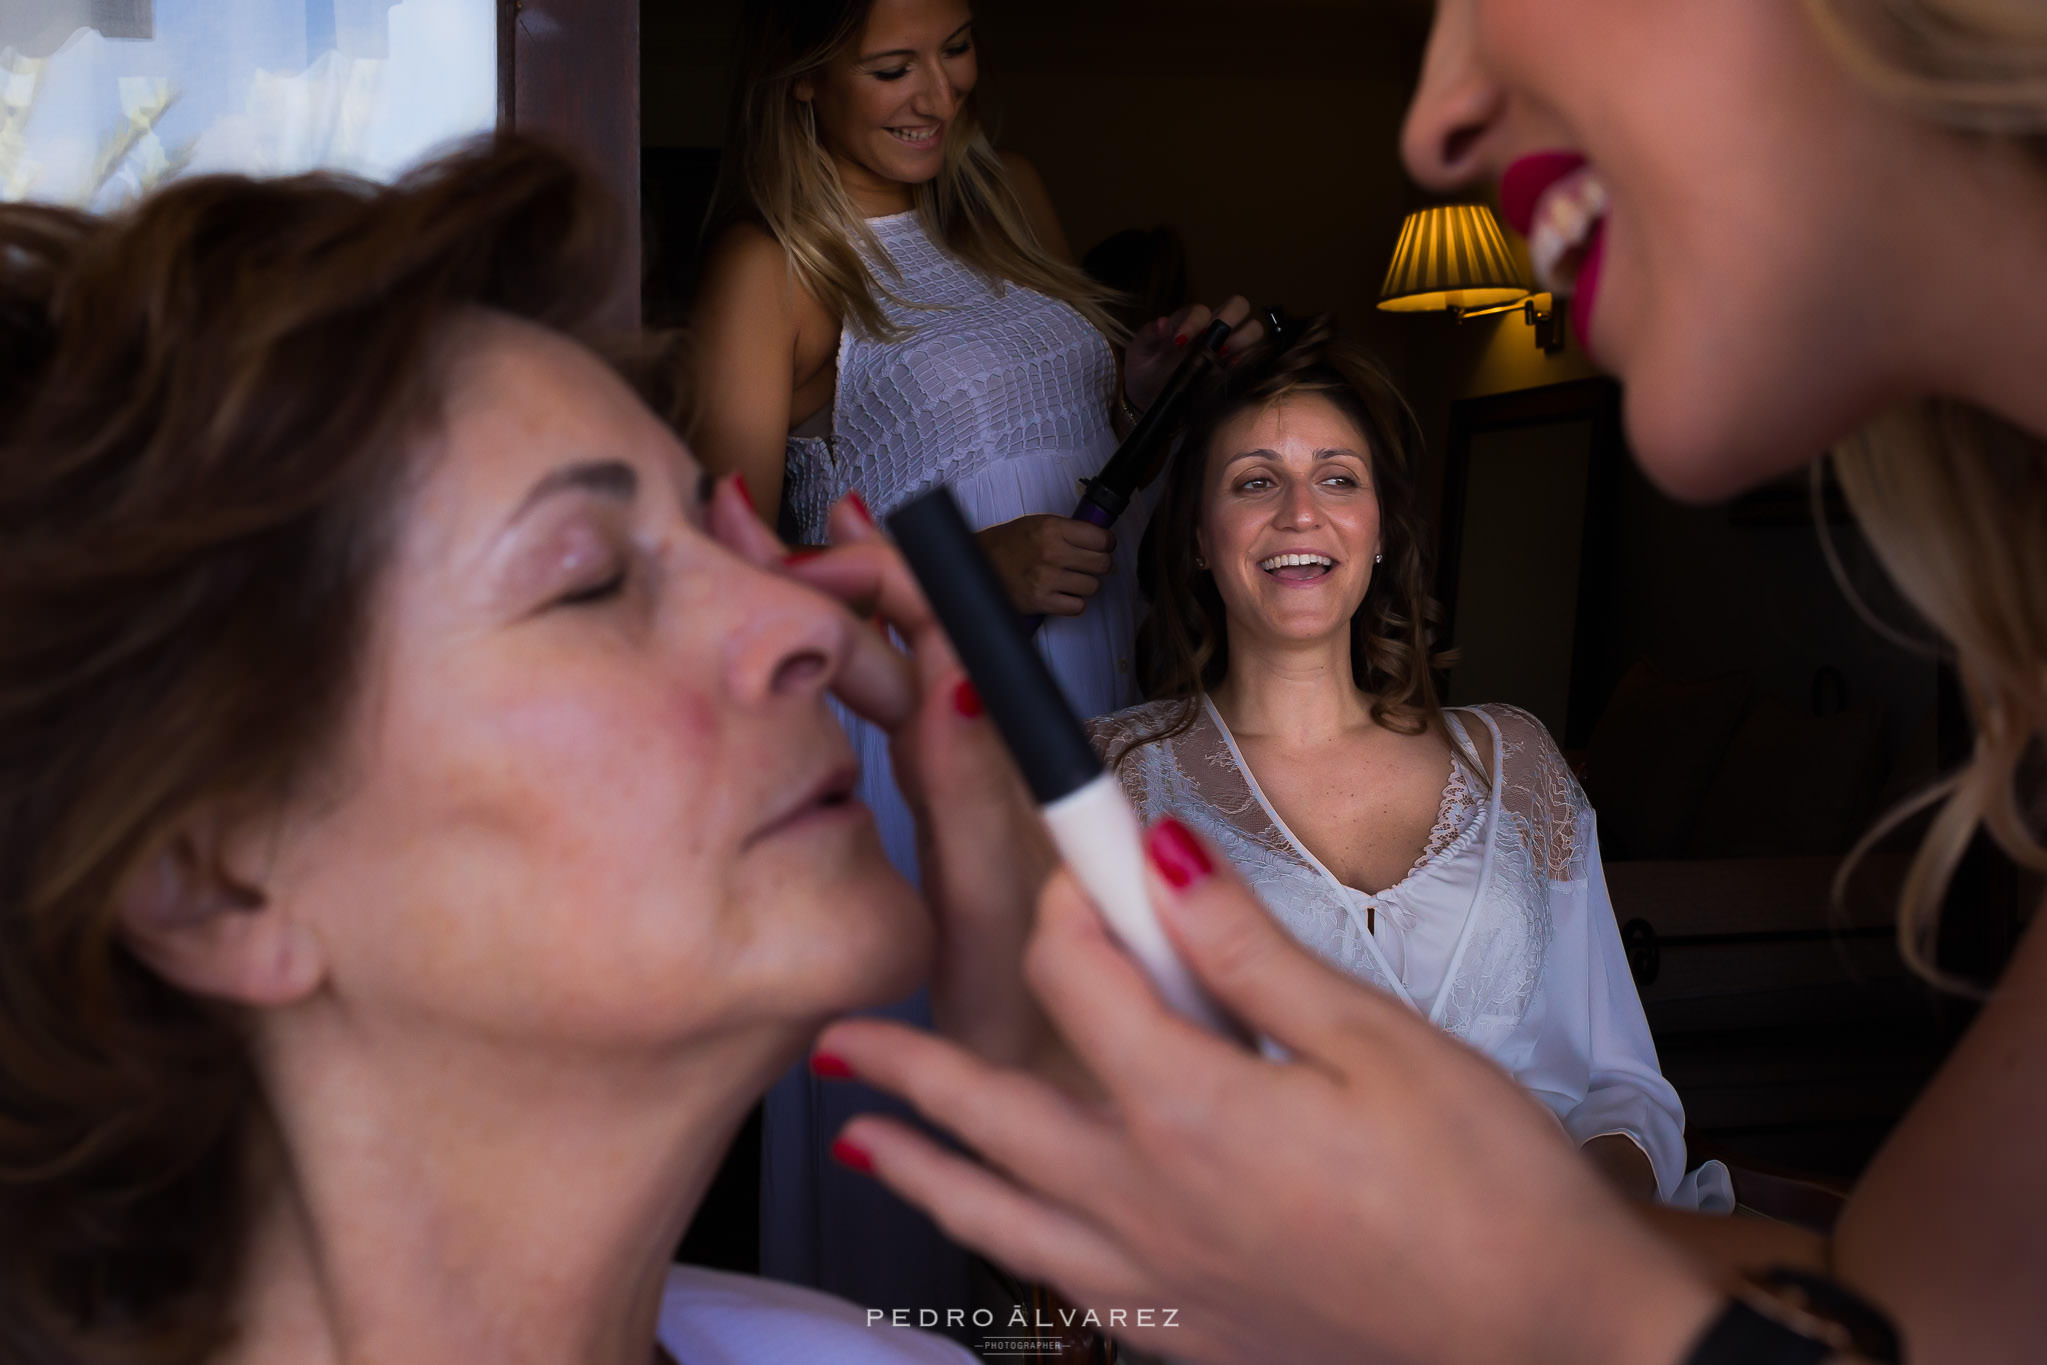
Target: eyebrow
<point>1326,453</point>
<point>606,478</point>
<point>911,51</point>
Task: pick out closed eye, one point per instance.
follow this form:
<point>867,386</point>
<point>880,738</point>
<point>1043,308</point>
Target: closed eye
<point>595,592</point>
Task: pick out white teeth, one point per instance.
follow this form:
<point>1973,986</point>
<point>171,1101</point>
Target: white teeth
<point>1290,561</point>
<point>915,134</point>
<point>1564,219</point>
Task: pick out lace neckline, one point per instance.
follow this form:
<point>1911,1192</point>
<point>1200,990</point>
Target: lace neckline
<point>1452,829</point>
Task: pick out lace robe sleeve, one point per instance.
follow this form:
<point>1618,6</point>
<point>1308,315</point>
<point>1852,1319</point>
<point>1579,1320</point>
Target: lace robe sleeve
<point>1593,1061</point>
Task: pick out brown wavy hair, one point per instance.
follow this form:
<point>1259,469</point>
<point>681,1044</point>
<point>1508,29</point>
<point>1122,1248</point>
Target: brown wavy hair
<point>207,410</point>
<point>1183,644</point>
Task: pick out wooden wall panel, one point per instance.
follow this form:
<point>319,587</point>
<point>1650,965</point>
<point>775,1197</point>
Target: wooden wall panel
<point>571,71</point>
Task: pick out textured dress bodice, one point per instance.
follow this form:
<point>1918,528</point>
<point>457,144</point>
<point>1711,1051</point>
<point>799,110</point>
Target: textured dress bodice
<point>990,374</point>
<point>1002,393</point>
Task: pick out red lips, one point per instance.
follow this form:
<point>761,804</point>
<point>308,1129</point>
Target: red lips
<point>1523,182</point>
<point>1521,188</point>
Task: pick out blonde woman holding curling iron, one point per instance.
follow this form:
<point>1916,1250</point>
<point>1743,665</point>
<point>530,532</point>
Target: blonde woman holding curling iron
<point>888,303</point>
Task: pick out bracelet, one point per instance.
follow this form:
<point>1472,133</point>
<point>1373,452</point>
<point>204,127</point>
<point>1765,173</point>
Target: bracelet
<point>1783,1316</point>
<point>1130,414</point>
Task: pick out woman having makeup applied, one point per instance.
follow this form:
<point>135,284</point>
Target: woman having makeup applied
<point>887,303</point>
<point>1718,185</point>
<point>1445,856</point>
<point>423,834</point>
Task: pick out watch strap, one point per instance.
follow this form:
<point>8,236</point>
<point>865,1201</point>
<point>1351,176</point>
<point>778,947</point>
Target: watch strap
<point>1742,1336</point>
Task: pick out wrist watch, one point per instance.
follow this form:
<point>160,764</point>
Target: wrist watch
<point>1783,1316</point>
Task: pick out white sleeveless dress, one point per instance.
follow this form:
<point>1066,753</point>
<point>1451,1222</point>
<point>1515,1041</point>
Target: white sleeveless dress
<point>1005,394</point>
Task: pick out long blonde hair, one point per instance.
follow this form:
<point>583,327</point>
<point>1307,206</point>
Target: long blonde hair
<point>777,172</point>
<point>1954,498</point>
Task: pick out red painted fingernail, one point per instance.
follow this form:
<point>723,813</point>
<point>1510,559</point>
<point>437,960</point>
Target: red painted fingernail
<point>1180,340</point>
<point>830,1067</point>
<point>1177,854</point>
<point>860,505</point>
<point>966,699</point>
<point>798,556</point>
<point>745,493</point>
<point>851,1157</point>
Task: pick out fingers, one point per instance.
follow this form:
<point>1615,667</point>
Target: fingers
<point>873,577</point>
<point>1146,1057</point>
<point>977,1207</point>
<point>1245,330</point>
<point>851,522</point>
<point>732,522</point>
<point>1188,322</point>
<point>1084,535</point>
<point>1091,562</point>
<point>1041,1137</point>
<point>875,680</point>
<point>1070,584</point>
<point>873,677</point>
<point>1252,966</point>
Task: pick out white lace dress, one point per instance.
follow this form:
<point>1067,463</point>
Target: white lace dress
<point>1501,933</point>
<point>1003,393</point>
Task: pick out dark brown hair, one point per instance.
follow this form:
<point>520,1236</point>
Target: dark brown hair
<point>207,406</point>
<point>1183,646</point>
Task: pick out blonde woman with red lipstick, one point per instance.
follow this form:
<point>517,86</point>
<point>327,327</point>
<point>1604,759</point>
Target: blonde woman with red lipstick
<point>1788,227</point>
<point>1444,856</point>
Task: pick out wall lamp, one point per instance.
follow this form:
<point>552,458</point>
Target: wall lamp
<point>1454,259</point>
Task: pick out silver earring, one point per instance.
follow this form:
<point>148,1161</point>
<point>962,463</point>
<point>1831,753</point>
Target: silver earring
<point>1200,563</point>
<point>1378,558</point>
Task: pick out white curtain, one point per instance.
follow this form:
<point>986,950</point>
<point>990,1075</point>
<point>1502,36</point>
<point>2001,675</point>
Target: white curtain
<point>268,87</point>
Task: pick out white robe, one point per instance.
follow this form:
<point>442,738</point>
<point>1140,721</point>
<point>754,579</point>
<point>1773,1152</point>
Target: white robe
<point>709,1317</point>
<point>1501,934</point>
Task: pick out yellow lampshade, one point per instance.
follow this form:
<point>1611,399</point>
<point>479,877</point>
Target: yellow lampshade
<point>1454,256</point>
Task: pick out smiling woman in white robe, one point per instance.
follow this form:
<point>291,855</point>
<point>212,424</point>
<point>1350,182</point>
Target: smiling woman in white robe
<point>1447,857</point>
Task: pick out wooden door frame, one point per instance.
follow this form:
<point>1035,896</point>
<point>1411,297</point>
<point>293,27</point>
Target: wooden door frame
<point>1592,400</point>
<point>569,71</point>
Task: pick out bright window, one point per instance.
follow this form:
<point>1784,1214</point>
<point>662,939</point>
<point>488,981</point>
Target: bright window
<point>102,99</point>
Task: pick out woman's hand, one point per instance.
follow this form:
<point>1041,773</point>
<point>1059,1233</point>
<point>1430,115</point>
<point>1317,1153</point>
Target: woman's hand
<point>1050,566</point>
<point>982,849</point>
<point>1388,1194</point>
<point>1156,349</point>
